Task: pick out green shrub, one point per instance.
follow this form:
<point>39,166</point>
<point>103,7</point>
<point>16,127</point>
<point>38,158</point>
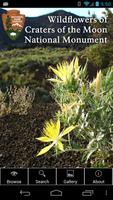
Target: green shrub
<point>99,55</point>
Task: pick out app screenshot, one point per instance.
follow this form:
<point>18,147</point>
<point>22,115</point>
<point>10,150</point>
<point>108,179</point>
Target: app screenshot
<point>56,99</point>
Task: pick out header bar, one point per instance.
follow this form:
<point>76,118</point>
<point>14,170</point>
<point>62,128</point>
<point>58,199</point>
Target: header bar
<point>59,4</point>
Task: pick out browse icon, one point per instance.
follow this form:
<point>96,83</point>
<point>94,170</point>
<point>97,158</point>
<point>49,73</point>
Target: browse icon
<point>14,173</point>
<point>56,193</point>
<point>87,193</point>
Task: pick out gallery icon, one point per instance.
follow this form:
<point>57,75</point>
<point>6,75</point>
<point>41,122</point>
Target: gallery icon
<point>70,173</point>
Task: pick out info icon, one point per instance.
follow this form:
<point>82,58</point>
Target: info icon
<point>98,173</point>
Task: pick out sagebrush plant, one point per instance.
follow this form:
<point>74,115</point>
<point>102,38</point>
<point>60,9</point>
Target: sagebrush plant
<point>89,104</point>
<point>20,99</point>
<point>53,135</point>
<point>4,110</point>
<point>16,100</point>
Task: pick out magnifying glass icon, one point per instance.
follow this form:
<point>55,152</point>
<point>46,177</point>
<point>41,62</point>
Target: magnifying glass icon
<point>41,173</point>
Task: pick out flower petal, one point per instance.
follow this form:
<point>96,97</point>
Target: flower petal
<point>51,129</point>
<point>55,80</point>
<point>98,82</point>
<point>45,150</point>
<point>57,72</point>
<point>76,65</point>
<point>68,130</point>
<point>44,139</point>
<point>60,146</point>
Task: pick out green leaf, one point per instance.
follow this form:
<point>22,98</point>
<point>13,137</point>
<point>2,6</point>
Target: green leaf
<point>89,154</point>
<point>44,139</point>
<point>89,146</point>
<point>45,150</point>
<point>99,137</point>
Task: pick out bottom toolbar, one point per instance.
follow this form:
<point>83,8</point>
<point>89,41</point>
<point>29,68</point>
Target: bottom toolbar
<point>54,176</point>
<point>81,192</point>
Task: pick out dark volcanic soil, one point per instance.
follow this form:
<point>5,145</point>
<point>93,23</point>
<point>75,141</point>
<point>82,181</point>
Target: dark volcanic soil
<point>18,144</point>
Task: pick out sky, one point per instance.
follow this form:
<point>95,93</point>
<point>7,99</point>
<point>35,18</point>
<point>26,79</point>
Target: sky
<point>34,12</point>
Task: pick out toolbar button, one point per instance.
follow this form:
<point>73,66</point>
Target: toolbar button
<point>70,176</point>
<point>41,173</point>
<point>98,173</point>
<point>98,176</point>
<point>42,176</point>
<point>13,176</point>
<point>56,193</point>
<point>25,193</point>
<point>87,193</point>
